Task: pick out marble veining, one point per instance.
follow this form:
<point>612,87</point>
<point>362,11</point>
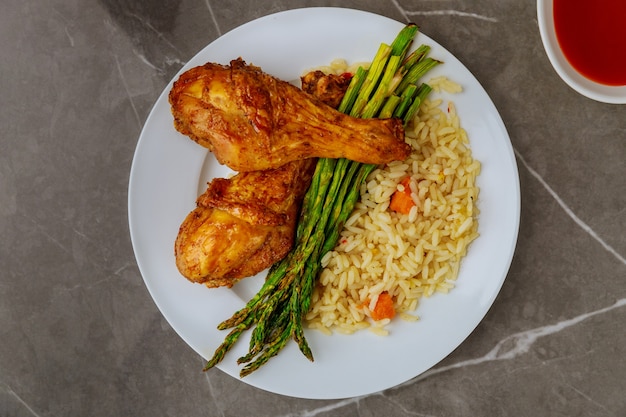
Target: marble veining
<point>455,13</point>
<point>213,18</point>
<point>584,226</point>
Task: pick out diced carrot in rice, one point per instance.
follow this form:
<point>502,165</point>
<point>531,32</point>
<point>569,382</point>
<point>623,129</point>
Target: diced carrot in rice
<point>384,307</point>
<point>401,201</point>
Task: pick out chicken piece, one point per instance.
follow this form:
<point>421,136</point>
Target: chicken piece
<point>252,121</point>
<point>242,225</point>
<point>329,88</point>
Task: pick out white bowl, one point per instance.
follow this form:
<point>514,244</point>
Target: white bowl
<point>581,84</point>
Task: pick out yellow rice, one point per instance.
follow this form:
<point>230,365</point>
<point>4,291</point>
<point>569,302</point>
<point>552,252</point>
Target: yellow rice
<point>409,256</point>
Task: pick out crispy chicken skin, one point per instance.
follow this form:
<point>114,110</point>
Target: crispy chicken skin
<point>252,121</point>
<point>242,225</point>
<point>329,88</point>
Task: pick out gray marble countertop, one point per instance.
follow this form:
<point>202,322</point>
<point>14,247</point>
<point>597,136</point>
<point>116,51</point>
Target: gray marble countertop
<point>81,335</point>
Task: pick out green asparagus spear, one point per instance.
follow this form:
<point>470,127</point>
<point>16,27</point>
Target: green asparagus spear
<point>371,80</point>
<point>414,58</point>
<point>406,98</point>
<point>422,92</point>
<point>389,107</point>
<point>384,89</point>
<point>353,90</point>
<point>417,71</point>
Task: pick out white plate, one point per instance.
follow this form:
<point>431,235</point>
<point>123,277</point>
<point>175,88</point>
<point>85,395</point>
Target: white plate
<point>169,171</point>
<point>585,86</point>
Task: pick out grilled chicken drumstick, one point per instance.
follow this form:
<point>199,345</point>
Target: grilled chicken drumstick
<point>252,121</point>
<point>242,225</point>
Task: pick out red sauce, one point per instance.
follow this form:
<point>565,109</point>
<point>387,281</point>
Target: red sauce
<point>592,36</point>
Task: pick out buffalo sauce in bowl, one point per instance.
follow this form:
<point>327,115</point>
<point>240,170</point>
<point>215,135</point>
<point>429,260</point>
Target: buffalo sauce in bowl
<point>592,37</point>
<point>589,51</point>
